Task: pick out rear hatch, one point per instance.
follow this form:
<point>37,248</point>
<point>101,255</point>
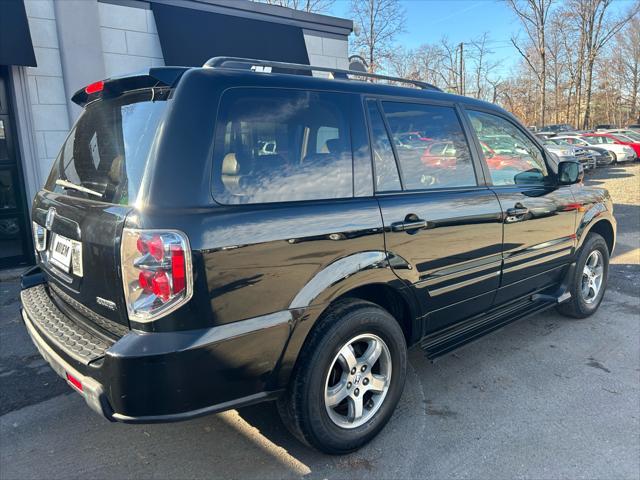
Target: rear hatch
<point>93,185</point>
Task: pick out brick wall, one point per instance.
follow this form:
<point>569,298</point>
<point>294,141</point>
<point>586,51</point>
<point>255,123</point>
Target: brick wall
<point>129,39</point>
<point>326,52</point>
<point>46,88</point>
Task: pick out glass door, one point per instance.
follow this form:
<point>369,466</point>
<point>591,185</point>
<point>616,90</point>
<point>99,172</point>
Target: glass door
<point>15,234</point>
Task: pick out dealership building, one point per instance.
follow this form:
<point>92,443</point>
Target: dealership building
<point>49,49</point>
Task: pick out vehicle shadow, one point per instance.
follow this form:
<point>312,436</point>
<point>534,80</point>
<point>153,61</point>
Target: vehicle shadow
<point>598,177</point>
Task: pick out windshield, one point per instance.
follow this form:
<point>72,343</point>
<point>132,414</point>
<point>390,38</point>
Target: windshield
<point>106,151</point>
<point>633,136</point>
<point>622,138</point>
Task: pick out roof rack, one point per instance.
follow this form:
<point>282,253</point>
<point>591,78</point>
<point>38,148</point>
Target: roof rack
<point>248,63</point>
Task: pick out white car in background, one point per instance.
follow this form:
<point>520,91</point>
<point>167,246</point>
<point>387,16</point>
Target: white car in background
<point>622,153</point>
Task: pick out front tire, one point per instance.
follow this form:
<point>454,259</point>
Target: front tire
<point>589,280</point>
<point>348,378</point>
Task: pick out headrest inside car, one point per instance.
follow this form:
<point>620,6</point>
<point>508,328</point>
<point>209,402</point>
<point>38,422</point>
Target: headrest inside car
<point>230,165</point>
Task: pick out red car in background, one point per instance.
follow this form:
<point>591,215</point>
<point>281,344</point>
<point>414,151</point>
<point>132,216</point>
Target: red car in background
<point>443,155</point>
<point>617,139</point>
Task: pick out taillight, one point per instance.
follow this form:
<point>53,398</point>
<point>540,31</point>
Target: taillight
<point>156,272</point>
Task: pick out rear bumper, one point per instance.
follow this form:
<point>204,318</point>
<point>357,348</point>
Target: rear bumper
<point>163,377</point>
<point>92,391</point>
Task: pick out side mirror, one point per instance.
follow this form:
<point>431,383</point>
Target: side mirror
<point>570,172</point>
<point>529,177</point>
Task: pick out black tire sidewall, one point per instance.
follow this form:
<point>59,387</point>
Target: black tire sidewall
<point>319,429</point>
<point>594,242</point>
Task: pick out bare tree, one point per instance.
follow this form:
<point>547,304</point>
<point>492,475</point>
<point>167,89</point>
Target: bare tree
<point>598,29</point>
<point>482,67</point>
<point>534,15</point>
<point>427,59</point>
<point>450,65</point>
<point>403,63</point>
<point>628,46</point>
<point>377,23</point>
<point>311,6</point>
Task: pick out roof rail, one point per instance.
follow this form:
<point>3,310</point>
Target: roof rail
<point>247,63</point>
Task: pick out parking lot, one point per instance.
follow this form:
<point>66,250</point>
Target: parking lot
<point>546,397</point>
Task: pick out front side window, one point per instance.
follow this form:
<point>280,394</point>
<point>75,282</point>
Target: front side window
<point>437,155</point>
<point>511,156</point>
<point>277,145</point>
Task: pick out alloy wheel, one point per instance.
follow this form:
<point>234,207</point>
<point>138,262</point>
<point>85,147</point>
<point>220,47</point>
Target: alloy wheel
<point>358,381</point>
<point>592,276</point>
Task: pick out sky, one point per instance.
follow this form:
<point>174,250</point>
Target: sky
<point>461,21</point>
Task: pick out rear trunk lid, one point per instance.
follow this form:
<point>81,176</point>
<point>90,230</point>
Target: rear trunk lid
<point>94,183</point>
<point>97,227</point>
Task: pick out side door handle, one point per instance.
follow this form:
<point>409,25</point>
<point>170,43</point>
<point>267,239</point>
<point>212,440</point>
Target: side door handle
<point>409,225</point>
<point>517,211</point>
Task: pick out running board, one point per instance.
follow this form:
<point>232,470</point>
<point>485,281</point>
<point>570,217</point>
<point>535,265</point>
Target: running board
<point>539,297</point>
<point>443,342</point>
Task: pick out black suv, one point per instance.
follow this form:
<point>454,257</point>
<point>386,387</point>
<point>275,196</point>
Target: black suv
<point>214,237</point>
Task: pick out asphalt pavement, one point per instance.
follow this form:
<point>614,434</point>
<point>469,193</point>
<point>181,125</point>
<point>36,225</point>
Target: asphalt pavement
<point>546,397</point>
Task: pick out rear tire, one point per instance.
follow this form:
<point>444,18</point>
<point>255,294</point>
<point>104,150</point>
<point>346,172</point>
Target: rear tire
<point>348,378</point>
<point>589,280</point>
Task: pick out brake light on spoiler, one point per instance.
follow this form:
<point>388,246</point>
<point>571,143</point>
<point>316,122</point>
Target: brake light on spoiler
<point>94,87</point>
<point>156,272</point>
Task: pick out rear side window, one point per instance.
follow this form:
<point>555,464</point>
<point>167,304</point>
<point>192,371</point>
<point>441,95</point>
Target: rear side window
<point>277,145</point>
<point>438,155</point>
<point>107,149</point>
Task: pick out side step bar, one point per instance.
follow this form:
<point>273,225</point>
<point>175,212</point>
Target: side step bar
<point>443,342</point>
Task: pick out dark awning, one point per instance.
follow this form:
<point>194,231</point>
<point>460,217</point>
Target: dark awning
<point>15,39</point>
<point>190,37</point>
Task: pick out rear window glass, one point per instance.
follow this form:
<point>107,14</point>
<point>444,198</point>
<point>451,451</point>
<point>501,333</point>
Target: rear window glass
<point>277,145</point>
<point>105,154</point>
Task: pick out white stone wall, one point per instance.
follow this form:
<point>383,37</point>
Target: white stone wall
<point>129,39</point>
<point>45,85</point>
<point>326,52</point>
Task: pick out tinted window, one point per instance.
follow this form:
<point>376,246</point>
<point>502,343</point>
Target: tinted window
<point>511,156</point>
<point>438,156</point>
<point>282,145</point>
<point>386,171</point>
<point>107,149</point>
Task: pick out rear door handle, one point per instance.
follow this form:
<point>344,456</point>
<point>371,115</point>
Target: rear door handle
<point>409,225</point>
<point>517,211</point>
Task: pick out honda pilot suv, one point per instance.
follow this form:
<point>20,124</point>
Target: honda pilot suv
<point>214,237</point>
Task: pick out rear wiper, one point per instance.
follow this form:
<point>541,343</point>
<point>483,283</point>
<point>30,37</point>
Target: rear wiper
<point>72,186</point>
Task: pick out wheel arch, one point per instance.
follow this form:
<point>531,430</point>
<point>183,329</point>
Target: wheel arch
<point>366,277</point>
<point>600,225</point>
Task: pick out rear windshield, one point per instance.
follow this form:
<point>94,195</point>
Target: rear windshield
<point>106,151</point>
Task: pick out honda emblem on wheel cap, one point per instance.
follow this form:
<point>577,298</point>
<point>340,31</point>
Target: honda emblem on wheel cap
<point>50,216</point>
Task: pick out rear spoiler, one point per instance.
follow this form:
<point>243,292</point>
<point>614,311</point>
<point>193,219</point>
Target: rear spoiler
<point>111,87</point>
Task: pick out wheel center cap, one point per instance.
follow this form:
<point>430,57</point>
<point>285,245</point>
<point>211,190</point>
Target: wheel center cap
<point>356,379</point>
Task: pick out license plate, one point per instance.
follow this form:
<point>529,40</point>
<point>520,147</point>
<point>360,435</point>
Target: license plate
<point>61,248</point>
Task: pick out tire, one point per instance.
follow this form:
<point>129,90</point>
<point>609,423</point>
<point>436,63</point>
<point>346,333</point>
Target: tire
<point>615,158</point>
<point>303,408</point>
<point>584,300</point>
